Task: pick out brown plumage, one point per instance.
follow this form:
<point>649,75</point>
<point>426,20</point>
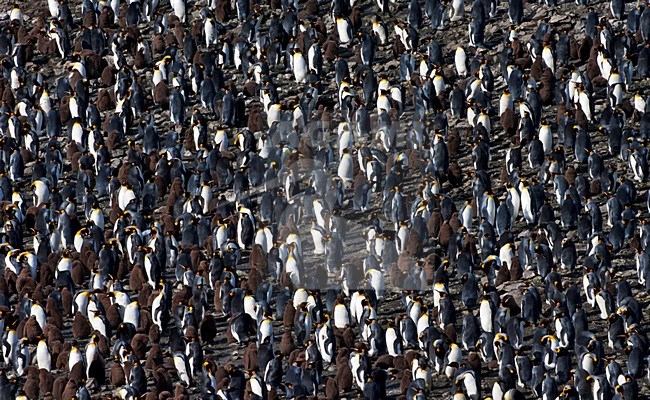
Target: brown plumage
<point>570,175</point>
<point>144,294</point>
<point>454,222</point>
<point>584,49</point>
<point>77,373</point>
<point>170,40</point>
<point>434,222</point>
<point>453,142</point>
<point>330,50</point>
<point>286,344</point>
<point>503,275</point>
<point>343,377</point>
<point>536,69</point>
<point>59,383</point>
<point>516,272</point>
<point>289,315</point>
<point>154,357</point>
<point>414,245</point>
<point>158,44</point>
<point>45,381</point>
<point>32,330</point>
<point>79,272</point>
<point>104,101</point>
<point>137,277</point>
<point>595,187</point>
<point>106,18</point>
<point>208,329</point>
<point>445,234</point>
<point>250,358</point>
<point>31,387</point>
<point>80,326</point>
<point>331,389</point>
<point>139,345</point>
<point>509,121</point>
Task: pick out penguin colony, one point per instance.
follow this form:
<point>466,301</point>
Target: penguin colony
<point>324,199</point>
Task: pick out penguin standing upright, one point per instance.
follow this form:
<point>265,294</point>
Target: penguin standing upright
<point>179,8</point>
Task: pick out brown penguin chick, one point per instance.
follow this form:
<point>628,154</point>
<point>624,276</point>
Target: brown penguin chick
<point>343,377</point>
<point>80,326</point>
<point>570,175</point>
<point>509,121</point>
<point>161,94</point>
<point>59,383</point>
<point>113,316</point>
<point>45,381</point>
<point>66,301</point>
<point>311,7</point>
<point>77,373</point>
<point>584,50</point>
<point>454,221</point>
<point>450,332</point>
<point>254,280</point>
<point>78,273</point>
<point>158,44</point>
<point>330,50</point>
<point>258,259</point>
<point>137,278</point>
<point>286,344</point>
<point>32,330</point>
<point>144,294</point>
<point>414,245</point>
<point>446,232</point>
<point>595,187</point>
<point>106,18</point>
<point>349,338</point>
<point>251,362</point>
<point>154,357</point>
<point>384,361</point>
<point>331,389</point>
<point>70,150</point>
<point>146,320</point>
<point>289,315</point>
<point>581,118</point>
<point>516,272</point>
<point>503,275</point>
<point>547,87</point>
<point>593,72</point>
<point>536,69</point>
<point>154,394</point>
<point>63,357</point>
<point>70,389</point>
<point>116,375</point>
<point>455,174</point>
<point>94,63</point>
<point>24,282</point>
<point>179,32</point>
<point>222,11</point>
<point>113,140</point>
<point>180,393</point>
<point>208,328</point>
<point>8,97</point>
<point>139,60</point>
<point>170,40</point>
<point>52,333</point>
<point>104,101</point>
<point>400,362</point>
<point>139,345</point>
<point>474,361</point>
<point>30,387</point>
<point>453,143</point>
<point>434,222</point>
